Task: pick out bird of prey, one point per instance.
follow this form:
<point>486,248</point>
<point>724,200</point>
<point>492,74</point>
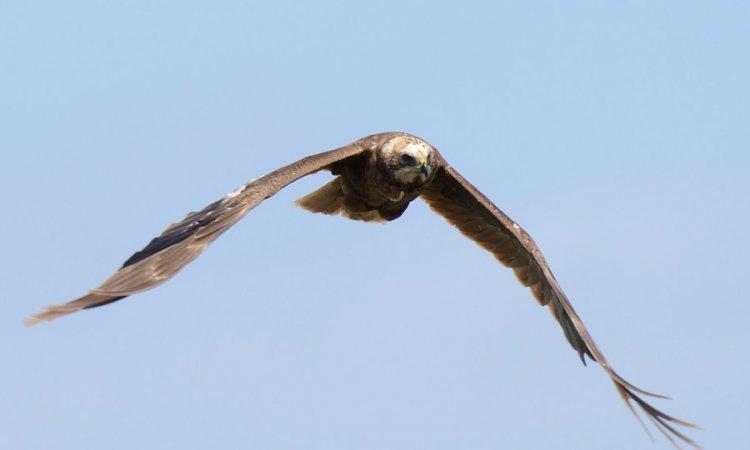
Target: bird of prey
<point>376,178</point>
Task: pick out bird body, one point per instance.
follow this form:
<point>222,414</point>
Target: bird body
<point>375,179</point>
<point>377,185</point>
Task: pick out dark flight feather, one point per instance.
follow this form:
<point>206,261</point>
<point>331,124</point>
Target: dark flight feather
<point>182,242</point>
<point>477,218</point>
<point>367,188</point>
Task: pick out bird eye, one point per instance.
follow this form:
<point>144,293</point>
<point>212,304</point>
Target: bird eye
<point>408,159</point>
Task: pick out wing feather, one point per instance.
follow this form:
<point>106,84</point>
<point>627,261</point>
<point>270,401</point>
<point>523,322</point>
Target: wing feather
<point>475,216</point>
<point>182,242</point>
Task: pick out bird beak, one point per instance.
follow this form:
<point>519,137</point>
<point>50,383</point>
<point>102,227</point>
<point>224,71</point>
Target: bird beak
<point>423,165</point>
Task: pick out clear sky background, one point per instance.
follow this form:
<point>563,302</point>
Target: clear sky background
<point>616,133</point>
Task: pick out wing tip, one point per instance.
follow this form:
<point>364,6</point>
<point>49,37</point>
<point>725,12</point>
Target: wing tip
<point>664,423</point>
<point>92,299</point>
<point>48,313</point>
<point>31,321</point>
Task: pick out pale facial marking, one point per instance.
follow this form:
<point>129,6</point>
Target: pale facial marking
<point>417,149</point>
<point>420,152</point>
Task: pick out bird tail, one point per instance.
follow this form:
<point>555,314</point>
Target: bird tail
<point>328,199</point>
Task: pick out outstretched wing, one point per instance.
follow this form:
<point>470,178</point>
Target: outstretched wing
<point>182,242</point>
<point>451,196</point>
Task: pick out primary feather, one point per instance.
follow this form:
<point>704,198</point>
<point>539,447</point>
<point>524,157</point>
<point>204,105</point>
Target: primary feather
<point>376,179</point>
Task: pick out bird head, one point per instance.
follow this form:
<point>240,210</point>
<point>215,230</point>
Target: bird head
<point>409,159</point>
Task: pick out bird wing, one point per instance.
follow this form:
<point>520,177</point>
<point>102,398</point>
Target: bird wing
<point>477,218</point>
<point>182,242</point>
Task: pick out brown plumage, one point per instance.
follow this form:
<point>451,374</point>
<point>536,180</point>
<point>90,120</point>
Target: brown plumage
<point>376,179</point>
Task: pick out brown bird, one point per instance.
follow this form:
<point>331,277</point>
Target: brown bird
<point>376,178</point>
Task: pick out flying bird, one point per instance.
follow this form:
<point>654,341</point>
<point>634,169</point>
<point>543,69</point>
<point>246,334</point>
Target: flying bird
<point>376,178</point>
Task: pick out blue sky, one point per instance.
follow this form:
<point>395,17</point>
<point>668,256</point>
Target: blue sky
<point>616,133</point>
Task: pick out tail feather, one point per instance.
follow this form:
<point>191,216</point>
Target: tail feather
<point>328,199</point>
